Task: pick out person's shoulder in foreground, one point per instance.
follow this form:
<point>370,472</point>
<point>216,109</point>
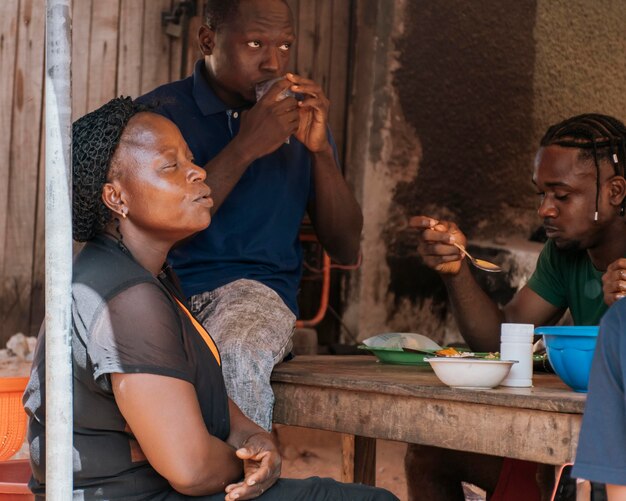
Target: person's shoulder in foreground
<point>601,453</point>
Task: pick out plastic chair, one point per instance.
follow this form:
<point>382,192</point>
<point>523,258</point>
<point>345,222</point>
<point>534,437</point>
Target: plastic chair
<point>564,484</point>
<point>323,304</point>
<point>13,419</point>
<point>14,475</point>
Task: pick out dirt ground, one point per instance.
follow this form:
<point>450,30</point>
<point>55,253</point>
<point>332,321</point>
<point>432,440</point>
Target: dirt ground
<point>308,452</point>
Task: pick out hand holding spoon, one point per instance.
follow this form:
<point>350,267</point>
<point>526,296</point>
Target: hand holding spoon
<point>479,263</point>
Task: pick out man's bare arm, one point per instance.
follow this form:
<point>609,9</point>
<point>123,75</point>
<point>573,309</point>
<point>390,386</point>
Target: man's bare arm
<point>479,317</point>
<point>476,314</point>
<point>335,212</point>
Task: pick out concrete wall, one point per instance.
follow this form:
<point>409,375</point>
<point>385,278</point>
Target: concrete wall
<point>449,101</point>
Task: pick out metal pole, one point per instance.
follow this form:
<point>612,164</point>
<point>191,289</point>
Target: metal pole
<point>59,420</point>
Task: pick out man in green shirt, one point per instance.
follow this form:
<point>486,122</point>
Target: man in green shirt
<point>569,279</point>
<point>579,176</point>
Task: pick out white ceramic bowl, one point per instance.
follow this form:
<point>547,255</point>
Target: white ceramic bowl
<point>470,373</point>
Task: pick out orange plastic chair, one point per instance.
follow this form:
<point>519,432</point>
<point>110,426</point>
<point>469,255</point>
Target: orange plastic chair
<point>14,475</point>
<point>323,305</point>
<point>557,483</point>
<point>13,419</point>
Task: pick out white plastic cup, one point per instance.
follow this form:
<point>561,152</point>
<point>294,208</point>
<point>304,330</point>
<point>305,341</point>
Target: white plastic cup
<point>516,343</point>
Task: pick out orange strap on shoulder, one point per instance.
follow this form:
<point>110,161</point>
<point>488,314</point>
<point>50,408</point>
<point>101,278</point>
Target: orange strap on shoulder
<point>203,332</point>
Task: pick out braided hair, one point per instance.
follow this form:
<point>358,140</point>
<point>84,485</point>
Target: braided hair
<point>599,137</point>
<point>95,137</point>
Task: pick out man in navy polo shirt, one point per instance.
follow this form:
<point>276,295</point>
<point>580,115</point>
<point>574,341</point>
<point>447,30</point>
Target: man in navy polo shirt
<point>267,163</point>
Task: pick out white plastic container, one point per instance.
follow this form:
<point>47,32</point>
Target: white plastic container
<point>516,343</point>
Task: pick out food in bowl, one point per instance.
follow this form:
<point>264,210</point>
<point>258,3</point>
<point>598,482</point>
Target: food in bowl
<point>470,373</point>
<point>570,352</point>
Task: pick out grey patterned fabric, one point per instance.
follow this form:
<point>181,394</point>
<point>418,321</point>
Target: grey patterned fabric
<point>252,327</point>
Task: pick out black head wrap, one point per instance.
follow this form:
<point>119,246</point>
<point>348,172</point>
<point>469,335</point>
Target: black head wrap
<point>95,137</point>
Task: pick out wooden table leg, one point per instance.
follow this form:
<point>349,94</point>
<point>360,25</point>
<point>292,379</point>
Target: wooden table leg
<point>347,458</point>
<point>358,459</point>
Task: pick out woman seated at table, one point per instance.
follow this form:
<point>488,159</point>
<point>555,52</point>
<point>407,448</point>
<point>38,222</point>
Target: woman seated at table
<point>151,416</point>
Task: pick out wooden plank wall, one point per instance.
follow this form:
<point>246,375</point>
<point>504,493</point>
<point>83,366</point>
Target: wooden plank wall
<point>323,53</point>
<point>119,48</point>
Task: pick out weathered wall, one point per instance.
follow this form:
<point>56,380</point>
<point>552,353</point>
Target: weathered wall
<point>382,151</point>
<point>449,102</point>
<point>580,60</point>
<point>465,86</point>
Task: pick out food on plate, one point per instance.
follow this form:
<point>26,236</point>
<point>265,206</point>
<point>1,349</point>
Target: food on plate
<point>452,352</point>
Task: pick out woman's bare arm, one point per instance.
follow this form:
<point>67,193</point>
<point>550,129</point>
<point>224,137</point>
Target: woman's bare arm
<point>164,415</point>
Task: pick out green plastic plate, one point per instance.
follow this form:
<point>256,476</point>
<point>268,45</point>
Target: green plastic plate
<point>398,357</point>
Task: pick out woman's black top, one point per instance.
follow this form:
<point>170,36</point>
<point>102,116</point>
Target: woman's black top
<point>124,320</point>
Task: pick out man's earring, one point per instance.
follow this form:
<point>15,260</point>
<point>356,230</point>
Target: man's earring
<point>622,210</point>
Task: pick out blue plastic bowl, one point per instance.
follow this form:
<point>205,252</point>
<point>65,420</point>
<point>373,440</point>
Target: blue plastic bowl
<point>570,352</point>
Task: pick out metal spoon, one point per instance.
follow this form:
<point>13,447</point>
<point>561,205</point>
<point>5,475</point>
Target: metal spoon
<point>479,263</point>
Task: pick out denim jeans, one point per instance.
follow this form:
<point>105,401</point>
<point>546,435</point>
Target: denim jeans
<point>252,328</point>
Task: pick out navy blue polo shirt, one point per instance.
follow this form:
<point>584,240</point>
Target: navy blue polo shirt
<point>254,233</point>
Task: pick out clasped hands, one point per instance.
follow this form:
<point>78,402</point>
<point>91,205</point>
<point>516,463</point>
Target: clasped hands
<point>261,467</point>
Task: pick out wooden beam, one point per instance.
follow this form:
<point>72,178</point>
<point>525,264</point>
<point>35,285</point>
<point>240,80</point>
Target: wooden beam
<point>193,48</point>
<point>339,71</point>
<point>294,5</point>
<point>103,53</point>
<point>81,41</point>
<point>37,295</point>
<point>365,460</point>
<point>347,458</point>
<point>130,44</point>
<point>9,12</point>
<point>156,47</point>
<point>186,61</point>
<point>306,38</point>
<point>358,459</point>
<point>15,295</point>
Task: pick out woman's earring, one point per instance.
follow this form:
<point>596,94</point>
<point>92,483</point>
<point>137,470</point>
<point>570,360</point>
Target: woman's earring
<point>622,209</point>
<point>124,212</point>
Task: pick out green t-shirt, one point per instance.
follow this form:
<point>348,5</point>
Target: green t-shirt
<point>568,279</point>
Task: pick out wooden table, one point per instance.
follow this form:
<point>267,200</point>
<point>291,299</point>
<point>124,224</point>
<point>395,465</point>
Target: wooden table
<point>365,400</point>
